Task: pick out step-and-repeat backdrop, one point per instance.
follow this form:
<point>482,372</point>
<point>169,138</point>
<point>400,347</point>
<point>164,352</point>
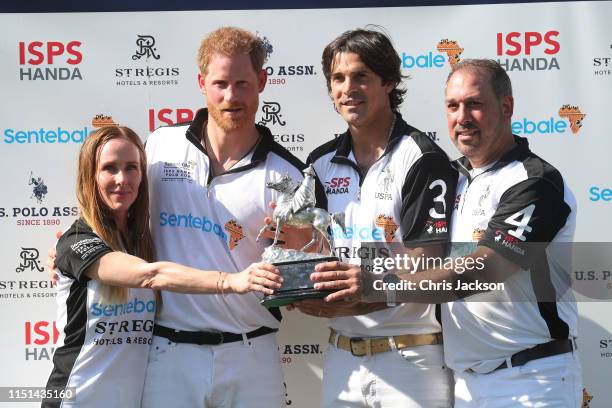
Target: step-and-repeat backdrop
<point>64,74</point>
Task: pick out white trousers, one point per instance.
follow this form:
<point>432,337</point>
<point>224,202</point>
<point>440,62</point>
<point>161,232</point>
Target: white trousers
<point>546,382</point>
<point>238,374</point>
<point>413,377</point>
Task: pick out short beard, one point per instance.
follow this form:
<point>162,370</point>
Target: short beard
<point>228,124</point>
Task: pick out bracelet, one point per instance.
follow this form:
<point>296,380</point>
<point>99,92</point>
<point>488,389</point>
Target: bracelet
<point>223,284</point>
<point>219,280</point>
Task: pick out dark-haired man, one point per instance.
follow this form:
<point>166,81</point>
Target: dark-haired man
<point>396,183</point>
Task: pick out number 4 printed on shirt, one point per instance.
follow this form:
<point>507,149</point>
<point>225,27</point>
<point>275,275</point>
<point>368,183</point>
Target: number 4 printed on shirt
<point>520,220</point>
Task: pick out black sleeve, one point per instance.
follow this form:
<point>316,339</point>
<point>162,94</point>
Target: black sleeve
<point>320,194</point>
<point>532,211</point>
<point>427,201</point>
<point>319,189</point>
<point>77,249</point>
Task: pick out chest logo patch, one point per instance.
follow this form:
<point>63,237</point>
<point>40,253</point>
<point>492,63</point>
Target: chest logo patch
<point>486,192</point>
<point>179,171</point>
<point>385,184</point>
<point>436,227</point>
<point>508,241</point>
<point>388,225</point>
<point>337,185</point>
<point>235,232</point>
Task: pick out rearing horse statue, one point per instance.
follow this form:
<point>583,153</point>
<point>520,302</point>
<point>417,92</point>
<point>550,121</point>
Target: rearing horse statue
<point>296,207</point>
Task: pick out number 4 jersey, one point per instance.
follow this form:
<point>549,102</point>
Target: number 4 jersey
<point>405,196</point>
<point>521,208</point>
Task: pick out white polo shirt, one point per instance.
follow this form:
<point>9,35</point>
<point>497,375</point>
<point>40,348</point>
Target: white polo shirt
<point>211,223</point>
<point>406,196</point>
<point>508,206</point>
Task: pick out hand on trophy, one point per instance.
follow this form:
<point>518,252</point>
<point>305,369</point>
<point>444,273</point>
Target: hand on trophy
<point>295,207</point>
<point>259,277</point>
<point>344,279</point>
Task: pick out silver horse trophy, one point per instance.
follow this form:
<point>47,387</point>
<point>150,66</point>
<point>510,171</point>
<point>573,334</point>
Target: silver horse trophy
<point>296,207</point>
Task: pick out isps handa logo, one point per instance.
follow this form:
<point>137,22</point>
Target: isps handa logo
<point>508,241</point>
<point>146,67</point>
<point>436,227</point>
<point>569,117</point>
<point>447,50</point>
<point>38,215</point>
<point>528,51</point>
<point>40,338</point>
<point>282,74</point>
<point>169,116</point>
<point>272,117</point>
<point>50,60</point>
<point>337,185</point>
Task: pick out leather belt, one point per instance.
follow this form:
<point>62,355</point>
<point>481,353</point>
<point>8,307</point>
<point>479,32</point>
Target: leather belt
<point>207,338</point>
<point>366,346</point>
<point>552,348</point>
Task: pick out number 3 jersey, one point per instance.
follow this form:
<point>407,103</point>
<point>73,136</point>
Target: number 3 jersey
<point>405,196</point>
<point>103,346</point>
<point>521,208</point>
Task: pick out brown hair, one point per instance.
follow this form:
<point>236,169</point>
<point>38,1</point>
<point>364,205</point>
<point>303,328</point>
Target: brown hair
<point>498,77</point>
<point>376,51</point>
<point>95,212</point>
<point>231,41</point>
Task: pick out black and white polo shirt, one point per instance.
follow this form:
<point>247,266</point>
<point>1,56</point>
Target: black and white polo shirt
<point>406,196</point>
<point>508,206</point>
<point>103,346</point>
<point>211,223</point>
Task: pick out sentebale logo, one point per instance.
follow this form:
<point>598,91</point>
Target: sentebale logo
<point>574,115</point>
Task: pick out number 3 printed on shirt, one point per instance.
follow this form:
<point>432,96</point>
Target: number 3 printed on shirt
<point>520,220</point>
<point>433,213</point>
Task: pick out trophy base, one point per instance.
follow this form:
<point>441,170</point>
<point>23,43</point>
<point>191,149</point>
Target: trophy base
<point>292,296</point>
<point>297,284</point>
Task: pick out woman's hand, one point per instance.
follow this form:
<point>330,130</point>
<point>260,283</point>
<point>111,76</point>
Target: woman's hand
<point>258,277</point>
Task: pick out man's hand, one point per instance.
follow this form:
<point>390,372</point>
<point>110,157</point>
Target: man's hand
<point>322,308</point>
<point>258,277</point>
<point>341,277</point>
<point>51,255</point>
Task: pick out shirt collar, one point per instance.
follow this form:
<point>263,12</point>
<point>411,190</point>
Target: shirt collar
<point>518,152</point>
<point>263,147</point>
